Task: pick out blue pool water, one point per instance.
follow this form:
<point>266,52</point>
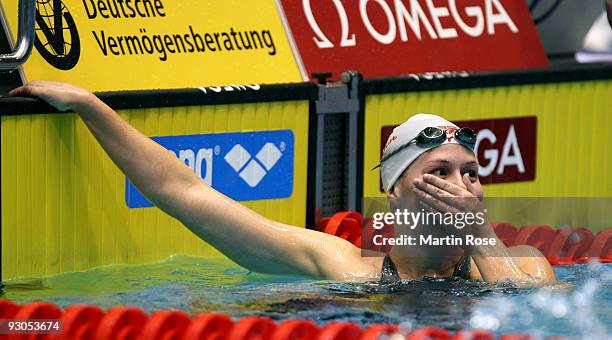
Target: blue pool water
<point>580,307</point>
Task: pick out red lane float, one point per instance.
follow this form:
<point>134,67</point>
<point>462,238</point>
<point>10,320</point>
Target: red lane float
<point>8,309</point>
<point>536,235</point>
<point>252,327</point>
<point>296,330</point>
<point>208,326</point>
<point>35,310</point>
<point>601,248</point>
<point>38,310</point>
<point>570,245</point>
<point>429,333</point>
<point>369,232</point>
<point>506,232</point>
<point>339,331</point>
<point>121,323</point>
<point>90,322</point>
<point>80,322</point>
<point>166,325</point>
<point>345,224</point>
<point>376,332</point>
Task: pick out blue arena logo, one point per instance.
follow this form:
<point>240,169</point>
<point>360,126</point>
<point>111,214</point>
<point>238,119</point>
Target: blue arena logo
<point>244,165</point>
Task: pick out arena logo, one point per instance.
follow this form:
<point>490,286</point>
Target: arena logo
<point>506,148</point>
<point>57,38</point>
<point>253,169</point>
<point>243,166</point>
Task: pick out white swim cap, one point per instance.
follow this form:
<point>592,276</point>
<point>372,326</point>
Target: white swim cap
<point>392,167</point>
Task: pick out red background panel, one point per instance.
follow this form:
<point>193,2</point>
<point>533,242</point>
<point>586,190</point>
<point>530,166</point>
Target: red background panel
<point>503,50</point>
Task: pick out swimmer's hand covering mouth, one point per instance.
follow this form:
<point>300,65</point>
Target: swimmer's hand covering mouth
<point>437,195</point>
<point>495,262</point>
<point>444,196</point>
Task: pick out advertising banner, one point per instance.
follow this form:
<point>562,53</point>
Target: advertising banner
<point>242,165</point>
<point>157,44</point>
<point>393,37</point>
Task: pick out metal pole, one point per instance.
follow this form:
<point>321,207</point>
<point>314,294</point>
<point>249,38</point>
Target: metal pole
<point>25,37</point>
<point>351,79</point>
<point>339,98</point>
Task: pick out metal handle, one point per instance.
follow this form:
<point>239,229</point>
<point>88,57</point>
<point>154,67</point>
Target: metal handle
<point>25,37</point>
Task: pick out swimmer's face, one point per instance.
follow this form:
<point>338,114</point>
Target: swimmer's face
<point>449,162</point>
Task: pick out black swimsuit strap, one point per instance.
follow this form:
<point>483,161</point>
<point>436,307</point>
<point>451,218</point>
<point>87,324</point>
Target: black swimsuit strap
<point>389,272</point>
<point>462,268</point>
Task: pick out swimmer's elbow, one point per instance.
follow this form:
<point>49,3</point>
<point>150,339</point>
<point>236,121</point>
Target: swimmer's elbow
<point>529,280</point>
<point>526,280</point>
<point>543,273</point>
<point>534,265</point>
<point>538,271</point>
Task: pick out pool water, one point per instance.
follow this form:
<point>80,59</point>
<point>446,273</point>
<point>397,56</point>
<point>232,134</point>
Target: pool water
<point>580,307</point>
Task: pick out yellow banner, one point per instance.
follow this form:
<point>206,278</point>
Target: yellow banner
<point>157,44</point>
<point>63,200</point>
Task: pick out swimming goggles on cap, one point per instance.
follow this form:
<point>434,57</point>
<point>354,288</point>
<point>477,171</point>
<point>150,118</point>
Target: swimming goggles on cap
<point>435,136</point>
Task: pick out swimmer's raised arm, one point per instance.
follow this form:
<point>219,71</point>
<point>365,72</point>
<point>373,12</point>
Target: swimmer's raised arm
<point>251,240</point>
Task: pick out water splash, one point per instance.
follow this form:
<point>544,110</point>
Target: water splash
<point>581,311</point>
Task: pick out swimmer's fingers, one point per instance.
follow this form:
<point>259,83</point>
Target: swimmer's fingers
<point>34,88</point>
<point>451,194</point>
<point>28,90</point>
<point>433,202</point>
<point>469,185</point>
<point>466,200</point>
<point>45,91</point>
<point>444,185</point>
<point>59,95</point>
<point>426,207</point>
<point>17,92</point>
<point>437,192</point>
